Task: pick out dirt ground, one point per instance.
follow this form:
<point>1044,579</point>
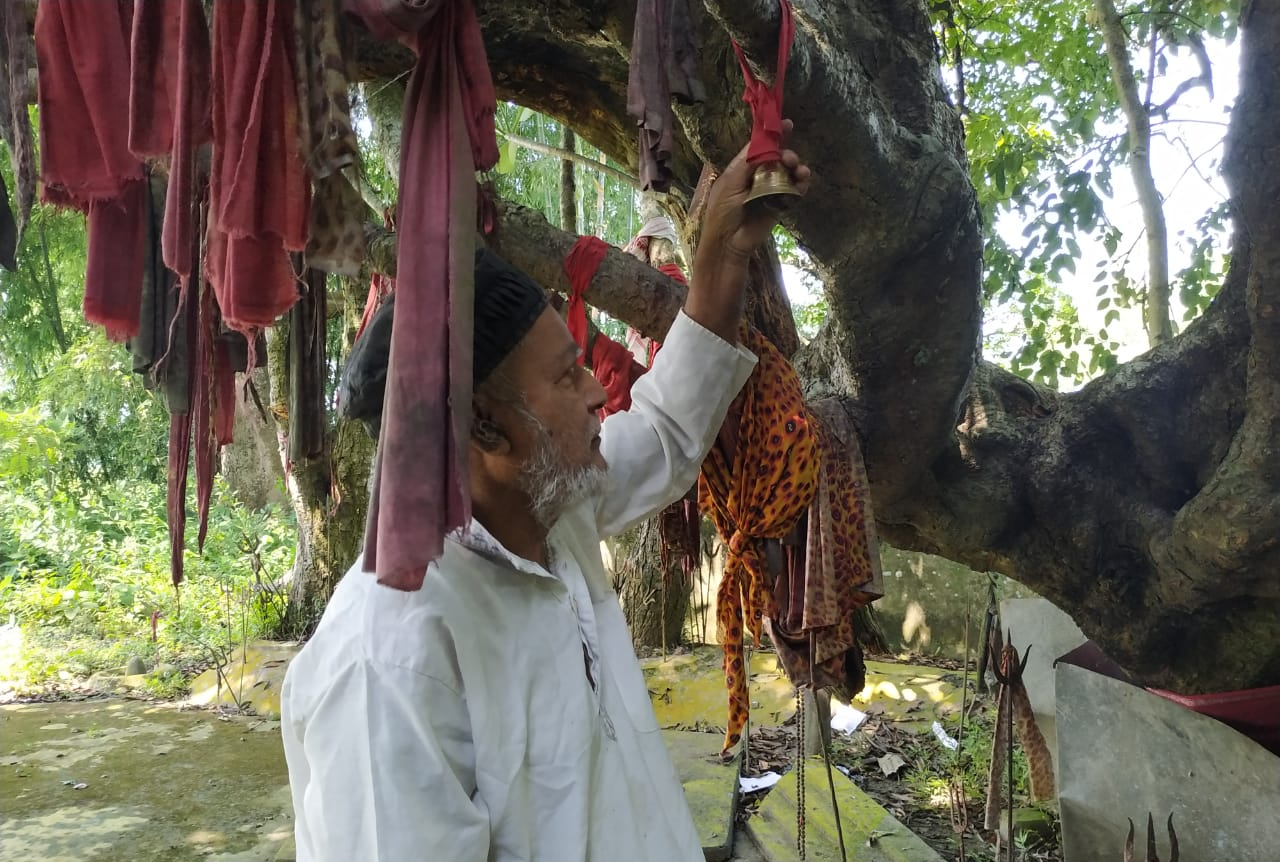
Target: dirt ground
<point>112,779</point>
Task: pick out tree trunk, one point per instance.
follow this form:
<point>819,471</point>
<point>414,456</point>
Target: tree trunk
<point>1147,504</point>
<point>329,506</point>
<point>655,599</point>
<point>251,463</point>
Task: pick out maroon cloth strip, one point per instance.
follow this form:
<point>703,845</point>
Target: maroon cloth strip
<point>420,490</point>
<point>259,191</point>
<point>169,108</point>
<point>664,63</point>
<point>180,449</point>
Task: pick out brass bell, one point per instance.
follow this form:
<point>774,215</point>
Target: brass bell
<point>771,180</point>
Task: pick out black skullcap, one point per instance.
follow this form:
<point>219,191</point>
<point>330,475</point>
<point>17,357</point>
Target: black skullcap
<point>507,302</point>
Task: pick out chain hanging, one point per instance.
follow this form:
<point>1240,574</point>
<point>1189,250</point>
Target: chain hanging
<point>800,806</point>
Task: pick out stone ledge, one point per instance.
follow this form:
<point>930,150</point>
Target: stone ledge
<point>871,834</point>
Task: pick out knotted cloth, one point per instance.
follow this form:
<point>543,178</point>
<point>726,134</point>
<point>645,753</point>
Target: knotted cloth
<point>757,481</point>
<point>766,100</point>
<point>581,264</point>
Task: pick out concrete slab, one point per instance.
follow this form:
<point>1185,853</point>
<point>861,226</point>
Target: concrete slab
<point>688,690</point>
<point>871,834</point>
<point>710,787</point>
<point>1125,752</point>
<point>251,679</point>
<point>1051,633</point>
<point>912,696</point>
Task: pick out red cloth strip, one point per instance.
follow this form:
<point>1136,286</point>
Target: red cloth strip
<point>671,270</point>
<point>113,270</point>
<point>617,371</point>
<point>169,108</point>
<point>766,101</point>
<point>420,490</point>
<point>82,54</point>
<point>581,264</point>
<point>259,191</point>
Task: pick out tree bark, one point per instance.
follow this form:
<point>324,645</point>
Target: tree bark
<point>1147,504</point>
<point>329,496</point>
<point>1158,322</point>
<point>655,599</point>
<point>251,463</point>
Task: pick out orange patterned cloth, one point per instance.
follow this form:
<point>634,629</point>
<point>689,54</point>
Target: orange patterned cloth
<point>757,481</point>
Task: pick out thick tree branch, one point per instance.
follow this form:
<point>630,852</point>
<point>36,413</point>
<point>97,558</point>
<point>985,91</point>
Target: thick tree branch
<point>624,287</point>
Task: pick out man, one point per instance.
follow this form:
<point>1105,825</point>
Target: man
<point>499,713</point>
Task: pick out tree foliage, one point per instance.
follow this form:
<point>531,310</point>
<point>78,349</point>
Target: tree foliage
<point>1044,140</point>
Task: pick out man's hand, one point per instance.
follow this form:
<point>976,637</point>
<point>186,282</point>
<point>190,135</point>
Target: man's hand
<point>731,231</point>
<point>732,227</point>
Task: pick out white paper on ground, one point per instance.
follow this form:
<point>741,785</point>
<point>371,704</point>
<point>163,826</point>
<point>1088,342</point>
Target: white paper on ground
<point>749,784</point>
<point>944,737</point>
<point>844,718</point>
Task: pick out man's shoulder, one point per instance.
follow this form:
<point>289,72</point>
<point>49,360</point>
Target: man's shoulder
<point>365,621</point>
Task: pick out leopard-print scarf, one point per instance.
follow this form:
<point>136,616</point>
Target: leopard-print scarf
<point>756,487</point>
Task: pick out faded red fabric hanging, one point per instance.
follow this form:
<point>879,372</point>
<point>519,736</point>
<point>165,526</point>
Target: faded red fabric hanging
<point>211,404</point>
<point>169,109</point>
<point>82,54</point>
<point>420,488</point>
<point>756,482</point>
<point>766,100</point>
<point>671,270</point>
<point>664,63</point>
<point>258,189</point>
<point>581,264</point>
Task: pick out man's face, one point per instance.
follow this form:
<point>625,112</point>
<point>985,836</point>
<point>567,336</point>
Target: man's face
<point>555,438</point>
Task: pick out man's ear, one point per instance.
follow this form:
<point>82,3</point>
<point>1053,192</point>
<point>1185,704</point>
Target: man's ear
<point>486,432</point>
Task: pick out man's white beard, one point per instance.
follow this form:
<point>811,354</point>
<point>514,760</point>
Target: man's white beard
<point>552,487</point>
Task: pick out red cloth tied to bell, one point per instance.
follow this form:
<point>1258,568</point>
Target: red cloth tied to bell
<point>759,478</point>
<point>420,491</point>
<point>766,99</point>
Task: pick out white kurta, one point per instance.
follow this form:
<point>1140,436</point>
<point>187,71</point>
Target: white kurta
<point>499,713</point>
